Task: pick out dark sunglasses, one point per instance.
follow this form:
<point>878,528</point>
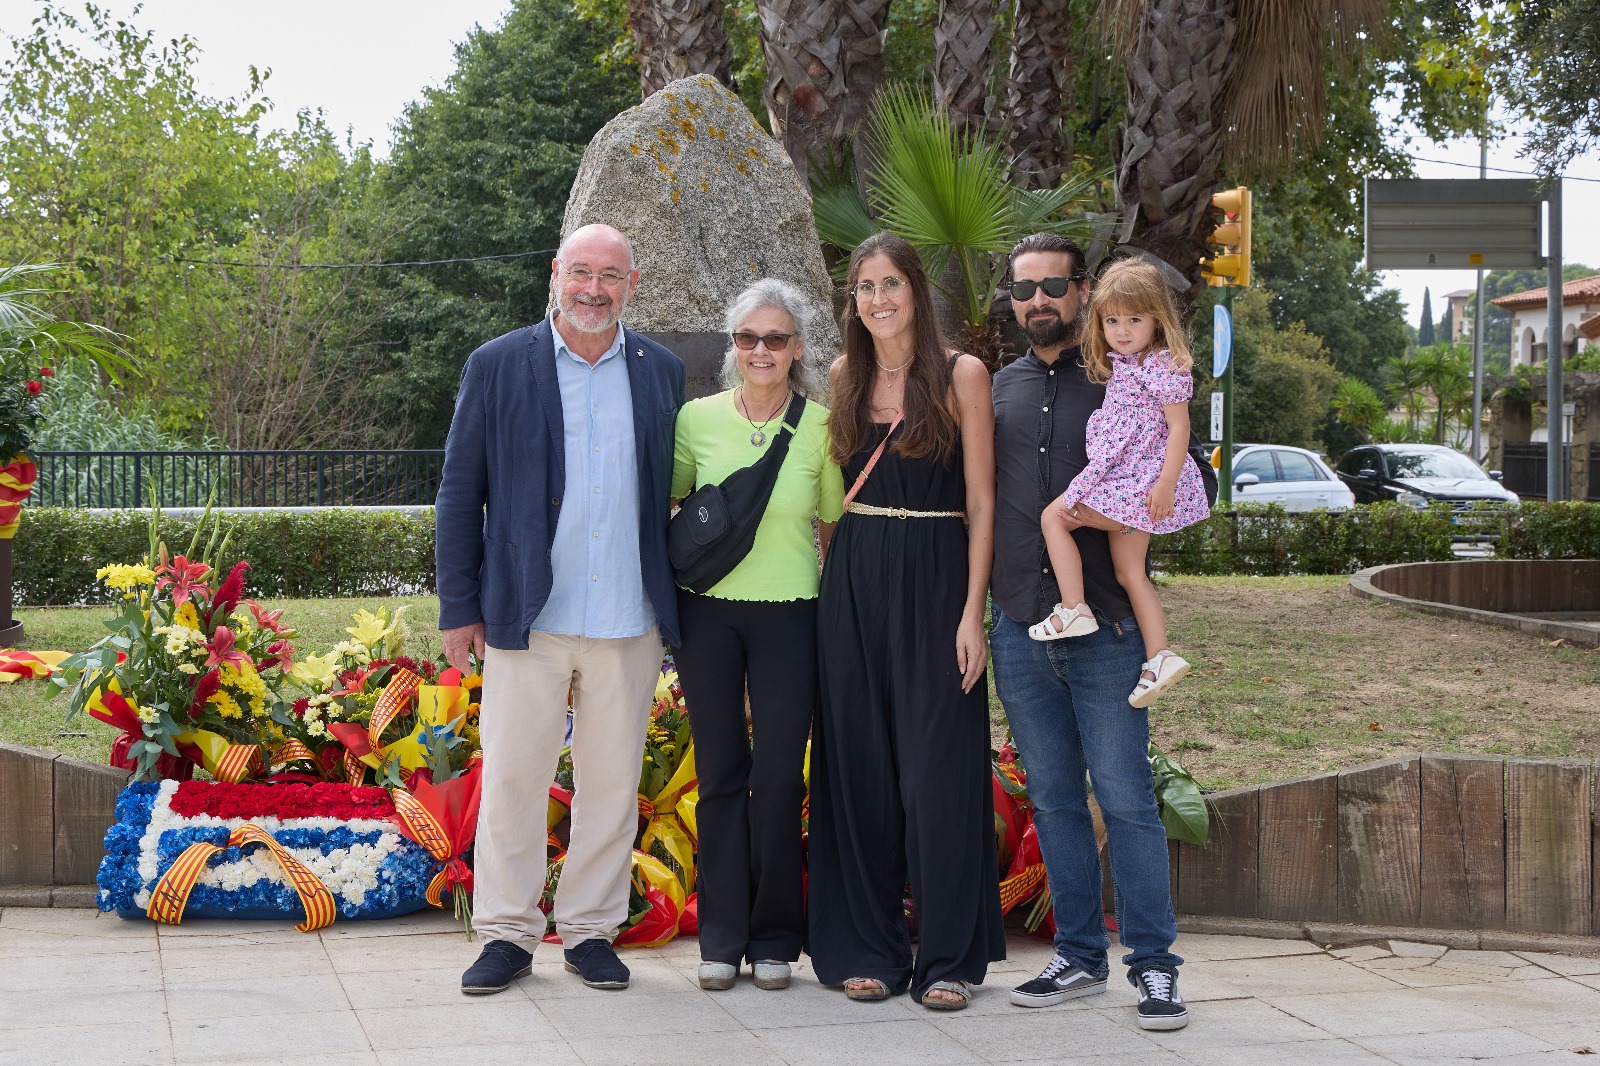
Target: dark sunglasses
<point>1055,288</point>
<point>775,342</point>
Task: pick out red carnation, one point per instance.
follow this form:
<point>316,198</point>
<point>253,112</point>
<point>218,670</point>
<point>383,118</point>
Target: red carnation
<point>34,388</point>
<point>47,372</point>
<point>301,706</point>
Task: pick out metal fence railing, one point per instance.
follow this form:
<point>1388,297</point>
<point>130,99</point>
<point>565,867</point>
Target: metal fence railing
<point>237,479</point>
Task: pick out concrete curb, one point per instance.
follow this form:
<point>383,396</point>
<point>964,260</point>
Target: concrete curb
<point>1340,936</point>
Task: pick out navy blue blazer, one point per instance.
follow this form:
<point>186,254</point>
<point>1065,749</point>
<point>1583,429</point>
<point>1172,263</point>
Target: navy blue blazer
<point>505,479</point>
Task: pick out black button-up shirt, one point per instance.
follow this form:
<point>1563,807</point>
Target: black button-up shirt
<point>1040,414</point>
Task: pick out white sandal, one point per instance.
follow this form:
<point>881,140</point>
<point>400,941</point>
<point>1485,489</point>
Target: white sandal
<point>1166,667</point>
<point>1078,622</point>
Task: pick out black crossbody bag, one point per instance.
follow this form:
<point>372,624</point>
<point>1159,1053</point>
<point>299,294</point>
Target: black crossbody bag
<point>715,526</point>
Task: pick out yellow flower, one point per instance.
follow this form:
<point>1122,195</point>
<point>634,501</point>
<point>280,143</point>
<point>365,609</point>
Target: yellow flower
<point>370,629</point>
<point>122,577</point>
<point>317,671</point>
<point>227,706</point>
<point>187,617</point>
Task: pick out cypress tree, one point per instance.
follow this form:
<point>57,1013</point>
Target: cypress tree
<point>1425,331</point>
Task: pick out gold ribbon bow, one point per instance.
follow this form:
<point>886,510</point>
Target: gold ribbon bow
<point>171,894</point>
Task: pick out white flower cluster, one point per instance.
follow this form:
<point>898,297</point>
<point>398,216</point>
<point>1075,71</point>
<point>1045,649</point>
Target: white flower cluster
<point>316,711</point>
<point>349,873</point>
<point>181,640</point>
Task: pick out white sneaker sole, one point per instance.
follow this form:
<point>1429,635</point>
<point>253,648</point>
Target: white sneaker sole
<point>1172,1021</point>
<point>1153,693</point>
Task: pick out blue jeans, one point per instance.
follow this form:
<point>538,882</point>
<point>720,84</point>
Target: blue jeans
<point>1067,701</point>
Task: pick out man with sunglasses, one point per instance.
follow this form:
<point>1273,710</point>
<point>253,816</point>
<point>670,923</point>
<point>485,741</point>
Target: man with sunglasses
<point>552,568</point>
<point>1067,700</point>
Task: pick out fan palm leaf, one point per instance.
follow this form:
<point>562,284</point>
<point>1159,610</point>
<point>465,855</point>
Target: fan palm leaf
<point>29,332</point>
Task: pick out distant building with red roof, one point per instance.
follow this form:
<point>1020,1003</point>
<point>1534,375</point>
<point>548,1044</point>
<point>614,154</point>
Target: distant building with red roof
<point>1530,326</point>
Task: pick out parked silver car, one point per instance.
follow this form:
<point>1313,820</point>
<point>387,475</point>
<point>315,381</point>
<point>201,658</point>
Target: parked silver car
<point>1292,478</point>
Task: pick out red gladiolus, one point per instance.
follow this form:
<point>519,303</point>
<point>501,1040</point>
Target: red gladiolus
<point>47,372</point>
<point>34,388</point>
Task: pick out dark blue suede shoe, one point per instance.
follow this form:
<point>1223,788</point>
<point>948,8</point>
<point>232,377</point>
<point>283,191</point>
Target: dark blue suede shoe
<point>595,960</point>
<point>500,963</point>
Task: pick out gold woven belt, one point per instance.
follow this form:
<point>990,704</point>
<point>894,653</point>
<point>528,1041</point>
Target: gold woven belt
<point>900,512</point>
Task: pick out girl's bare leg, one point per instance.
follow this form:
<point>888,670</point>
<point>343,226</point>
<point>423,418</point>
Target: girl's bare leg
<point>1128,552</point>
<point>1064,557</point>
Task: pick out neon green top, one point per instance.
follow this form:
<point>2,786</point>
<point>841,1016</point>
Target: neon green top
<point>713,440</point>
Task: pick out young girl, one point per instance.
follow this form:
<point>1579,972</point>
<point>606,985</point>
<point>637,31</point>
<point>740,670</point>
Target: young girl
<point>1139,476</point>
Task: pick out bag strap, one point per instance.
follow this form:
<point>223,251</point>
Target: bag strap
<point>861,479</point>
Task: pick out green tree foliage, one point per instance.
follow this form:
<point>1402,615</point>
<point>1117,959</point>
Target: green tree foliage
<point>482,166</point>
<point>1283,378</point>
<point>1425,325</point>
<point>115,165</point>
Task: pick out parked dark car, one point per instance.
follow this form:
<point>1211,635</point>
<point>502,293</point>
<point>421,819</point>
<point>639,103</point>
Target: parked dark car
<point>1419,475</point>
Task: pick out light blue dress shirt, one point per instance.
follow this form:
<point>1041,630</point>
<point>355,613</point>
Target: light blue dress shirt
<point>598,583</point>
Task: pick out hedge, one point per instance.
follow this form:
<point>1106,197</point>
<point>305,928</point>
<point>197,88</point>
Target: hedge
<point>333,552</point>
<point>351,552</point>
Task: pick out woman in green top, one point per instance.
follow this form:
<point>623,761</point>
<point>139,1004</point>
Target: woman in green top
<point>756,628</point>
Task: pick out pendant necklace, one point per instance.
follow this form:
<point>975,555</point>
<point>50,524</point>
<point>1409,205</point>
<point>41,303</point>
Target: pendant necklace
<point>759,437</point>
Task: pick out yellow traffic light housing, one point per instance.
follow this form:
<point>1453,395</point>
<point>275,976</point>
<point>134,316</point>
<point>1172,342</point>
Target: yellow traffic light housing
<point>1229,263</point>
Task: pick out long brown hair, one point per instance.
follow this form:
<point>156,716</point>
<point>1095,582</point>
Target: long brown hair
<point>930,427</point>
<point>1133,287</point>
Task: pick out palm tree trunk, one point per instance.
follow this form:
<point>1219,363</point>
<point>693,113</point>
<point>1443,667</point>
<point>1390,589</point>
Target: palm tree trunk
<point>1035,88</point>
<point>677,38</point>
<point>1170,151</point>
<point>824,62</point>
<point>963,58</point>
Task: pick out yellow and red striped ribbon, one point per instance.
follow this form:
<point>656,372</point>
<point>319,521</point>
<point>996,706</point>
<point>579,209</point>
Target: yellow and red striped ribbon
<point>171,894</point>
<point>239,762</point>
<point>396,697</point>
<point>292,750</point>
<point>354,768</point>
<point>1016,889</point>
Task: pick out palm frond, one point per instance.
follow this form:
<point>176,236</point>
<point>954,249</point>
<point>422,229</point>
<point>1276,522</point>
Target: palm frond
<point>840,211</point>
<point>30,332</point>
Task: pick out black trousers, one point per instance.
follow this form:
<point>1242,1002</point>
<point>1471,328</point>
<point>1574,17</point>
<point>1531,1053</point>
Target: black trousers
<point>752,781</point>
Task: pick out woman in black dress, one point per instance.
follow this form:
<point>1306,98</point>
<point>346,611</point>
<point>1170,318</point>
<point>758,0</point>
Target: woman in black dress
<point>900,750</point>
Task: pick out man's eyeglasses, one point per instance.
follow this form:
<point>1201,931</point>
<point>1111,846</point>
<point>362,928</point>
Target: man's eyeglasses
<point>775,342</point>
<point>890,288</point>
<point>1055,288</point>
<point>583,277</point>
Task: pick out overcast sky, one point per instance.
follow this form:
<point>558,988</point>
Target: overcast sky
<point>361,61</point>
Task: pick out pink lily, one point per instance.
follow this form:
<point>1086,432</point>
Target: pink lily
<point>282,655</point>
<point>266,619</point>
<point>222,650</point>
<point>184,578</point>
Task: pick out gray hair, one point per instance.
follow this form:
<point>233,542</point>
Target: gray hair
<point>779,295</point>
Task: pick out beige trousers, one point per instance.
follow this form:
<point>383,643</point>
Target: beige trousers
<point>522,722</point>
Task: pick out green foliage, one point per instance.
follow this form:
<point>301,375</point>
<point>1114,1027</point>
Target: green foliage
<point>483,165</point>
<point>115,165</point>
<point>950,194</point>
<point>1538,530</point>
<point>1283,379</point>
<point>1183,809</point>
<point>1266,540</point>
<point>1425,328</point>
<point>305,553</point>
<point>1359,407</point>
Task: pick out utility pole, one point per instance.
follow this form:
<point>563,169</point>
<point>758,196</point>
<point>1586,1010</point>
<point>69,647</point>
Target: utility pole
<point>1477,324</point>
<point>1557,467</point>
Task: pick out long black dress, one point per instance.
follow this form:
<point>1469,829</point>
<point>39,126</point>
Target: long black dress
<point>900,755</point>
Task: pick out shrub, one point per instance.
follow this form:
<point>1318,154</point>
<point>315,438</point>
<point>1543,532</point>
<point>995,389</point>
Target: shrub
<point>1538,530</point>
<point>312,553</point>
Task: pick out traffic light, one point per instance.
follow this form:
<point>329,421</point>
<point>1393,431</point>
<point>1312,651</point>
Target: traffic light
<point>1230,258</point>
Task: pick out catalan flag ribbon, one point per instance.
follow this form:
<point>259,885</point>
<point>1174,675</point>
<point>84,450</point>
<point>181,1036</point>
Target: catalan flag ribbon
<point>171,894</point>
<point>16,481</point>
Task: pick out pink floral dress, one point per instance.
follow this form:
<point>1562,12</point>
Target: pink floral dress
<point>1127,443</point>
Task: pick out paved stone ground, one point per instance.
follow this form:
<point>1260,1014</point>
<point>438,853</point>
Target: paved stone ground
<point>81,988</point>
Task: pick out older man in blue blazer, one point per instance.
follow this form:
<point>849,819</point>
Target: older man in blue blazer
<point>552,566</point>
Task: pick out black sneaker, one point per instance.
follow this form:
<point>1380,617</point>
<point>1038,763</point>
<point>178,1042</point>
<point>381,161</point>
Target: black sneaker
<point>596,962</point>
<point>1061,979</point>
<point>1160,1006</point>
<point>500,963</point>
